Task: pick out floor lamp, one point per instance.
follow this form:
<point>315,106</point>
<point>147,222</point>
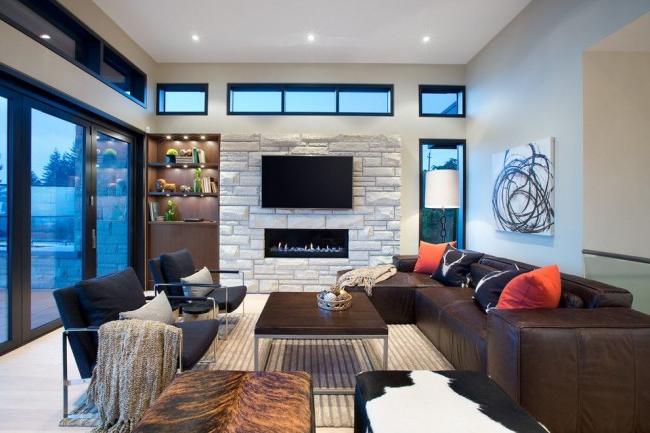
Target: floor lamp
<point>441,192</point>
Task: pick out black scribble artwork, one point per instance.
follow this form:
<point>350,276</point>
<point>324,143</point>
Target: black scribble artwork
<point>522,198</point>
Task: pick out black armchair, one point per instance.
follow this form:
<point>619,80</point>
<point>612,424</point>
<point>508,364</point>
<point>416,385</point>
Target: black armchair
<point>168,269</point>
<point>91,303</point>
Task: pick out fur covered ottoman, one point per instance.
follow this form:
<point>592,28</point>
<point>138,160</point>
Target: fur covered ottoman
<point>436,402</point>
<point>233,401</point>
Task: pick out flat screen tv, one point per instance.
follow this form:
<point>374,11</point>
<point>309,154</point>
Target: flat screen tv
<point>322,182</point>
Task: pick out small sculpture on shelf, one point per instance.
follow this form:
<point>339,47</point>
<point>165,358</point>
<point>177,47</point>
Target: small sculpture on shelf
<point>185,189</point>
<point>170,156</point>
<point>170,213</point>
<point>197,180</point>
<point>160,185</point>
<point>169,187</point>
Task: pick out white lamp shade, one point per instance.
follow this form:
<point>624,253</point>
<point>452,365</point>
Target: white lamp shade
<point>441,189</point>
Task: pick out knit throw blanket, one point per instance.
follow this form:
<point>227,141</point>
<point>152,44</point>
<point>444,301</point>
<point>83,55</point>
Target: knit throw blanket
<point>366,277</point>
<point>136,360</point>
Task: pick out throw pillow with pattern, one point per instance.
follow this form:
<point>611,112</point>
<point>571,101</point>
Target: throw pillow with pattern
<point>489,288</point>
<point>454,267</point>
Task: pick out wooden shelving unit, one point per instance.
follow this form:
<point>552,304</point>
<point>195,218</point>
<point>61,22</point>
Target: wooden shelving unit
<point>201,238</point>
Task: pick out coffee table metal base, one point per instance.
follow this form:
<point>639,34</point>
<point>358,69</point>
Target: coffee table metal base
<point>319,391</point>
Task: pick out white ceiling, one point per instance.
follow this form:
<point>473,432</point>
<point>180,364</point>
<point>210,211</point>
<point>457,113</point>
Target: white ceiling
<point>346,31</point>
<point>634,37</point>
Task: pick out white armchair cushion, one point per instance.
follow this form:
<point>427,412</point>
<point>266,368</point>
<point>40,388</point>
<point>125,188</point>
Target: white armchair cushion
<point>158,310</point>
<point>202,276</point>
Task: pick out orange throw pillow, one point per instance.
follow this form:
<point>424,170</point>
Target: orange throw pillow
<point>540,288</point>
<point>429,256</point>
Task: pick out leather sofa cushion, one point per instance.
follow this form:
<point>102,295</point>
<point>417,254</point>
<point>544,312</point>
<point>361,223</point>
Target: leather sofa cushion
<point>463,336</point>
<point>594,294</point>
<point>394,297</point>
<point>451,320</point>
<point>405,263</point>
<point>103,299</point>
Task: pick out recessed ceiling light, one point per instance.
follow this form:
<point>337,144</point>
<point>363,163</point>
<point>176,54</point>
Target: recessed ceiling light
<point>169,137</point>
<point>311,37</point>
<point>195,38</point>
<point>203,137</point>
<point>185,137</point>
<point>426,39</point>
<point>46,36</point>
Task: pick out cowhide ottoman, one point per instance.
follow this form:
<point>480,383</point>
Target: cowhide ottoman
<point>436,402</point>
<point>233,401</point>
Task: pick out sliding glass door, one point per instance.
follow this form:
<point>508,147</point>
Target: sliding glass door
<point>112,211</point>
<point>66,208</point>
<point>57,209</point>
<point>4,180</point>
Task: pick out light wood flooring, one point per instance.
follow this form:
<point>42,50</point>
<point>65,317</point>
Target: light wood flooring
<point>30,384</point>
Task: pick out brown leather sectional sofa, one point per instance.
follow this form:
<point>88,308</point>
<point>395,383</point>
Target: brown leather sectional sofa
<point>583,367</point>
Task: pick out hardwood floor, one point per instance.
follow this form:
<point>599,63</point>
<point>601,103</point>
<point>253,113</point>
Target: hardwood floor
<point>30,384</point>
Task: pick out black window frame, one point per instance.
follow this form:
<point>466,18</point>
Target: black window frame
<point>447,143</point>
<point>441,89</point>
<point>284,87</point>
<point>65,21</point>
<point>182,87</point>
<point>26,93</point>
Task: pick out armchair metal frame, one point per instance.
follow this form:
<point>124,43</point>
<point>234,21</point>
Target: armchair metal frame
<point>214,286</point>
<point>69,382</point>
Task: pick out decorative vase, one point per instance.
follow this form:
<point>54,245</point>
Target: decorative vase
<point>196,186</point>
<point>170,159</point>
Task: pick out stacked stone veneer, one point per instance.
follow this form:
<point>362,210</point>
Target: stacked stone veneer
<point>374,221</point>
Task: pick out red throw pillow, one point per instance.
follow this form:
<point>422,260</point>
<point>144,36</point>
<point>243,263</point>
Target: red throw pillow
<point>540,288</point>
<point>429,256</point>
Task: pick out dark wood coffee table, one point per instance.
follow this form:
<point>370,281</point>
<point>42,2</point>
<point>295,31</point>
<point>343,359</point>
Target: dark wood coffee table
<point>295,316</point>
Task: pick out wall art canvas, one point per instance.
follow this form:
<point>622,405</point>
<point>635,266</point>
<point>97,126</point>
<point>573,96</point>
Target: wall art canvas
<point>524,188</point>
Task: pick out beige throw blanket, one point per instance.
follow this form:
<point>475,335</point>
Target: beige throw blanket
<point>136,360</point>
<point>366,277</point>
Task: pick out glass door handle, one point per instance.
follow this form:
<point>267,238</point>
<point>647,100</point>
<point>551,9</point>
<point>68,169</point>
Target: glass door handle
<point>94,238</point>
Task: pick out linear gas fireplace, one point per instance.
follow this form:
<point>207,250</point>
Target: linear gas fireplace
<point>305,243</point>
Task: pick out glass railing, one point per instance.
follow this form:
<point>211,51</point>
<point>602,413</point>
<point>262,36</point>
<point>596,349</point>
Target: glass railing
<point>631,273</point>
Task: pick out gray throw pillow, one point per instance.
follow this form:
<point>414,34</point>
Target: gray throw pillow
<point>158,310</point>
<point>203,276</point>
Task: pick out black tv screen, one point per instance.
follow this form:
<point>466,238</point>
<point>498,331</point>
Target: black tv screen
<point>307,181</point>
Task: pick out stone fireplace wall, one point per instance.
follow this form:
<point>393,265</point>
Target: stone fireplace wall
<point>374,221</point>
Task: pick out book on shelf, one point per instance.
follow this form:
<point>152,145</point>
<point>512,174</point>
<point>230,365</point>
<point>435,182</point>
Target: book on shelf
<point>198,156</point>
<point>184,160</point>
<point>209,185</point>
<point>154,209</point>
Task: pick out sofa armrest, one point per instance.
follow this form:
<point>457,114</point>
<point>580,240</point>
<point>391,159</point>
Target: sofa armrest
<point>405,263</point>
<point>574,370</point>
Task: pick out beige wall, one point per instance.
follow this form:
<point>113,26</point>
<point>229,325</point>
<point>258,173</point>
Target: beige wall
<point>524,85</point>
<point>30,57</point>
<point>404,123</point>
<point>617,152</point>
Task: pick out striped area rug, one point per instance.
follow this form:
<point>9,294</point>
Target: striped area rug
<point>332,363</point>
